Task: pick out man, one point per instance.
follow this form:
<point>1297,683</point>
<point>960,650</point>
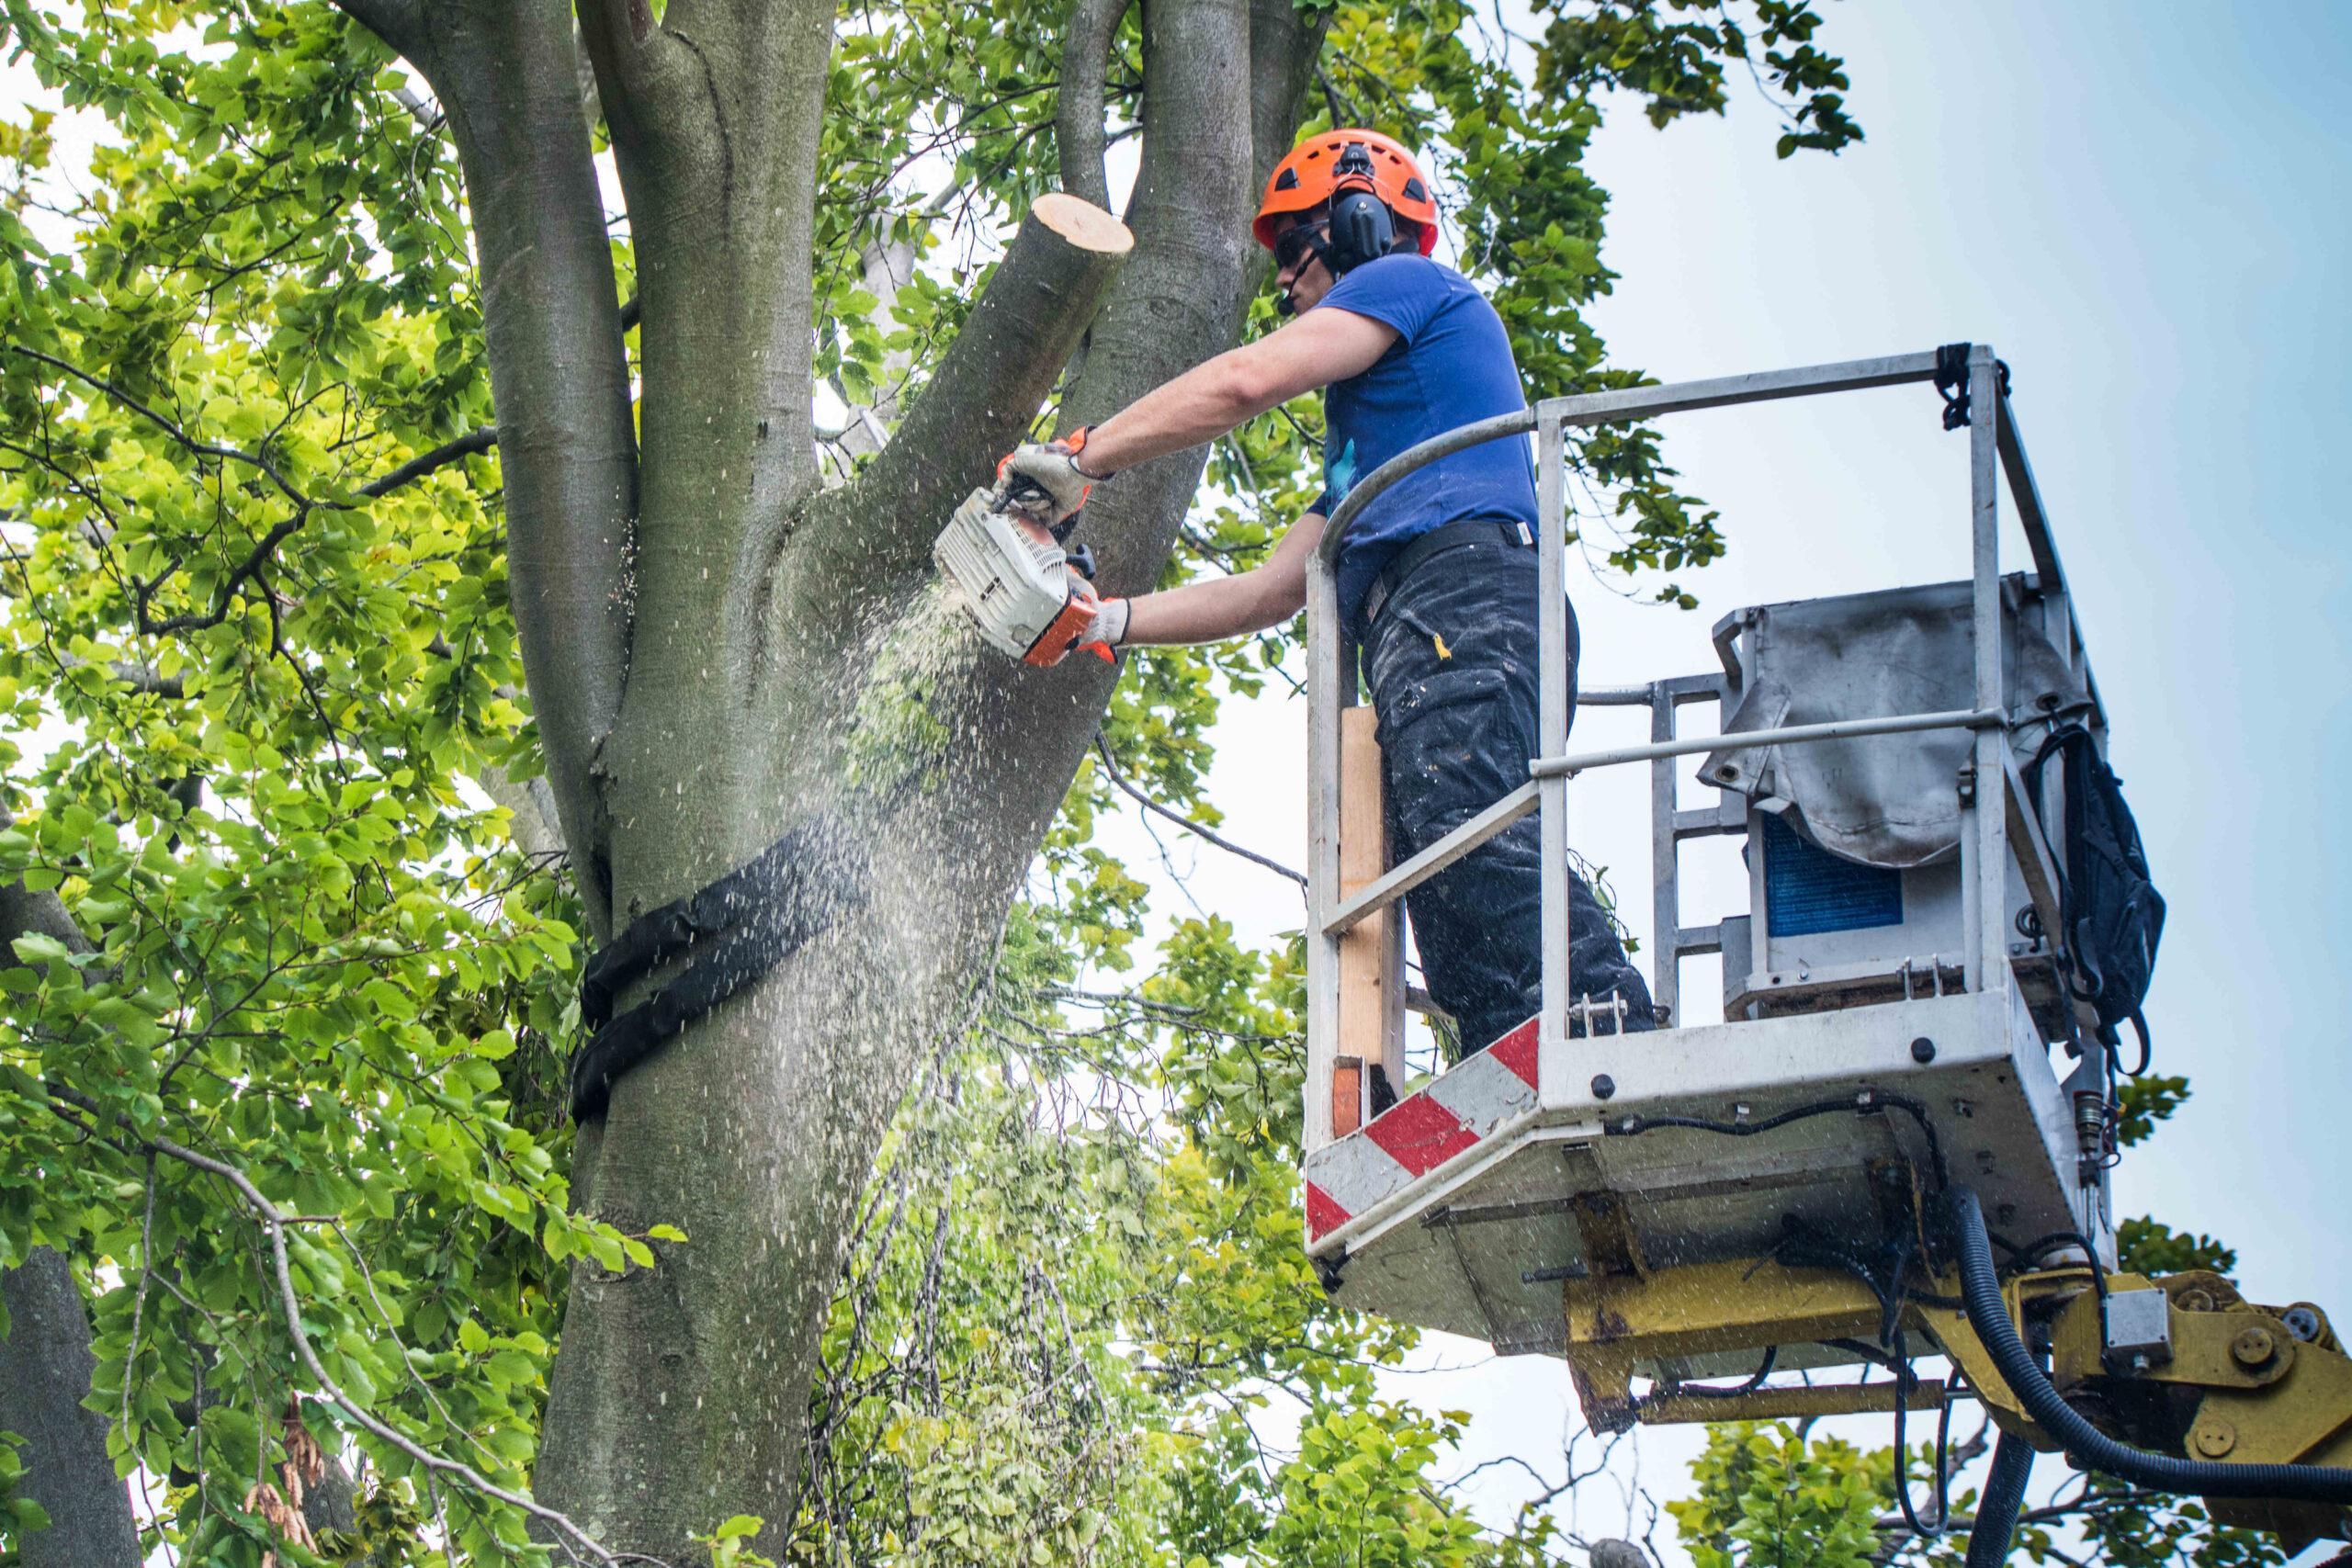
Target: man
<point>1438,579</point>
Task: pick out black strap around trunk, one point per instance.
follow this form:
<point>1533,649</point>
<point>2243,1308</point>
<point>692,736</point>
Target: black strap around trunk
<point>728,934</point>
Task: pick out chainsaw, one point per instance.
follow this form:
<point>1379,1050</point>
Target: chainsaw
<point>1020,587</point>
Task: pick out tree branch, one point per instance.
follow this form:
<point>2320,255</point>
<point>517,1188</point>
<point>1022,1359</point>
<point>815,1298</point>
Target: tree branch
<point>131,675</point>
<point>171,427</point>
<point>1111,766</point>
<point>1340,115</point>
<point>259,556</point>
<point>471,444</point>
<point>274,1221</point>
<point>1285,49</point>
<point>1078,117</point>
<point>637,65</point>
<point>536,830</point>
<point>225,597</point>
<point>506,73</point>
<point>979,403</point>
<point>1179,300</point>
<point>400,23</point>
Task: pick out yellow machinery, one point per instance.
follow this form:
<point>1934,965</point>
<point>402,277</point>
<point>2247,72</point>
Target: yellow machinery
<point>1896,1144</point>
<point>2185,1366</point>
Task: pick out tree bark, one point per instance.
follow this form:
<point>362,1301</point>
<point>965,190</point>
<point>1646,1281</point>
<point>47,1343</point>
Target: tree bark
<point>979,403</point>
<point>45,1365</point>
<point>46,1360</point>
<point>1285,42</point>
<point>715,115</point>
<point>789,667</point>
<point>1180,299</point>
<point>1087,39</point>
<point>680,1395</point>
<point>506,73</point>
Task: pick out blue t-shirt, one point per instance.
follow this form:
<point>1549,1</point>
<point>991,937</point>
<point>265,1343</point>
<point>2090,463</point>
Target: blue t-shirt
<point>1449,366</point>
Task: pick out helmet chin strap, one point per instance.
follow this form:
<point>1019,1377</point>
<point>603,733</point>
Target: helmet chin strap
<point>1318,247</point>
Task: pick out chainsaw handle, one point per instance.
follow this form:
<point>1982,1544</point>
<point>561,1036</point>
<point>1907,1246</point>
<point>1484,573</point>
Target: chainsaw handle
<point>1021,492</point>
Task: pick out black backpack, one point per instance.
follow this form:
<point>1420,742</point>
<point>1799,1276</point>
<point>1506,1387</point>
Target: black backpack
<point>2112,912</point>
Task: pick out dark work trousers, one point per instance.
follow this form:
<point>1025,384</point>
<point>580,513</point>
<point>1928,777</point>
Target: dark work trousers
<point>1452,660</point>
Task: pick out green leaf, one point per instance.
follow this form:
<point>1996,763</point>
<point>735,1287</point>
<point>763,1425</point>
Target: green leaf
<point>36,947</point>
<point>388,999</point>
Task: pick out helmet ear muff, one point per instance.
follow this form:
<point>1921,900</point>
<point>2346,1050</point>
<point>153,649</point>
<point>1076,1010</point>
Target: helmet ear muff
<point>1363,230</point>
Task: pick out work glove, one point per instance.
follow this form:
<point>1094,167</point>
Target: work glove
<point>1106,621</point>
<point>1106,631</point>
<point>1052,468</point>
<point>1105,628</point>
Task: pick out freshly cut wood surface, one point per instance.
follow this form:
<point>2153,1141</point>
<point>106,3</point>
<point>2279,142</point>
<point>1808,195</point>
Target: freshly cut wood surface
<point>1082,223</point>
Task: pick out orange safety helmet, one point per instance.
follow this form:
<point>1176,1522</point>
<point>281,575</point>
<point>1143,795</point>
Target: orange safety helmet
<point>1308,178</point>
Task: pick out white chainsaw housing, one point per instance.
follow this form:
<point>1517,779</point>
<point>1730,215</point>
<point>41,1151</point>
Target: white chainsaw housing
<point>1014,586</point>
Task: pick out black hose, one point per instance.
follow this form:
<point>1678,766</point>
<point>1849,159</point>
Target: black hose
<point>1734,1390</point>
<point>2092,1449</point>
<point>1863,1104</point>
<point>1997,1510</point>
<point>1941,1460</point>
<point>1863,1350</point>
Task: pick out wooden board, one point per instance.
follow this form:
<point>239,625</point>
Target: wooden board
<point>1372,953</point>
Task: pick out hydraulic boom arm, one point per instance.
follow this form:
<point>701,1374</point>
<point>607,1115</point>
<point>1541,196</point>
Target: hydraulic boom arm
<point>2177,1382</point>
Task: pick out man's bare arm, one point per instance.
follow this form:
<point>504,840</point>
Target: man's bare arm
<point>1324,346</point>
<point>1222,607</point>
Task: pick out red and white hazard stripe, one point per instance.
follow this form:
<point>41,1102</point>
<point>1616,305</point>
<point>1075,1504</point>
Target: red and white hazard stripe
<point>1454,1111</point>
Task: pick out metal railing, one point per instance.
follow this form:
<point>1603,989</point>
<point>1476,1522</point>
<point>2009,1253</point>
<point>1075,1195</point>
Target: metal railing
<point>1333,685</point>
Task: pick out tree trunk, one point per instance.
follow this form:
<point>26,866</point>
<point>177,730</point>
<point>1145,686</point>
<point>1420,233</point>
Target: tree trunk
<point>45,1365</point>
<point>681,1394</point>
<point>46,1361</point>
<point>789,665</point>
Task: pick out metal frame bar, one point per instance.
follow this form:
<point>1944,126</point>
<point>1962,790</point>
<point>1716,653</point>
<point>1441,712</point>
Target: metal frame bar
<point>1759,387</point>
<point>1787,735</point>
<point>1985,819</point>
<point>1552,736</point>
<point>2026,495</point>
<point>2028,498</point>
<point>1666,868</point>
<point>1403,878</point>
<point>1993,443</point>
<point>1670,940</point>
<point>1408,875</point>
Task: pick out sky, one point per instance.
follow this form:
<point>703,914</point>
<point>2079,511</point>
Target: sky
<point>2143,209</point>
